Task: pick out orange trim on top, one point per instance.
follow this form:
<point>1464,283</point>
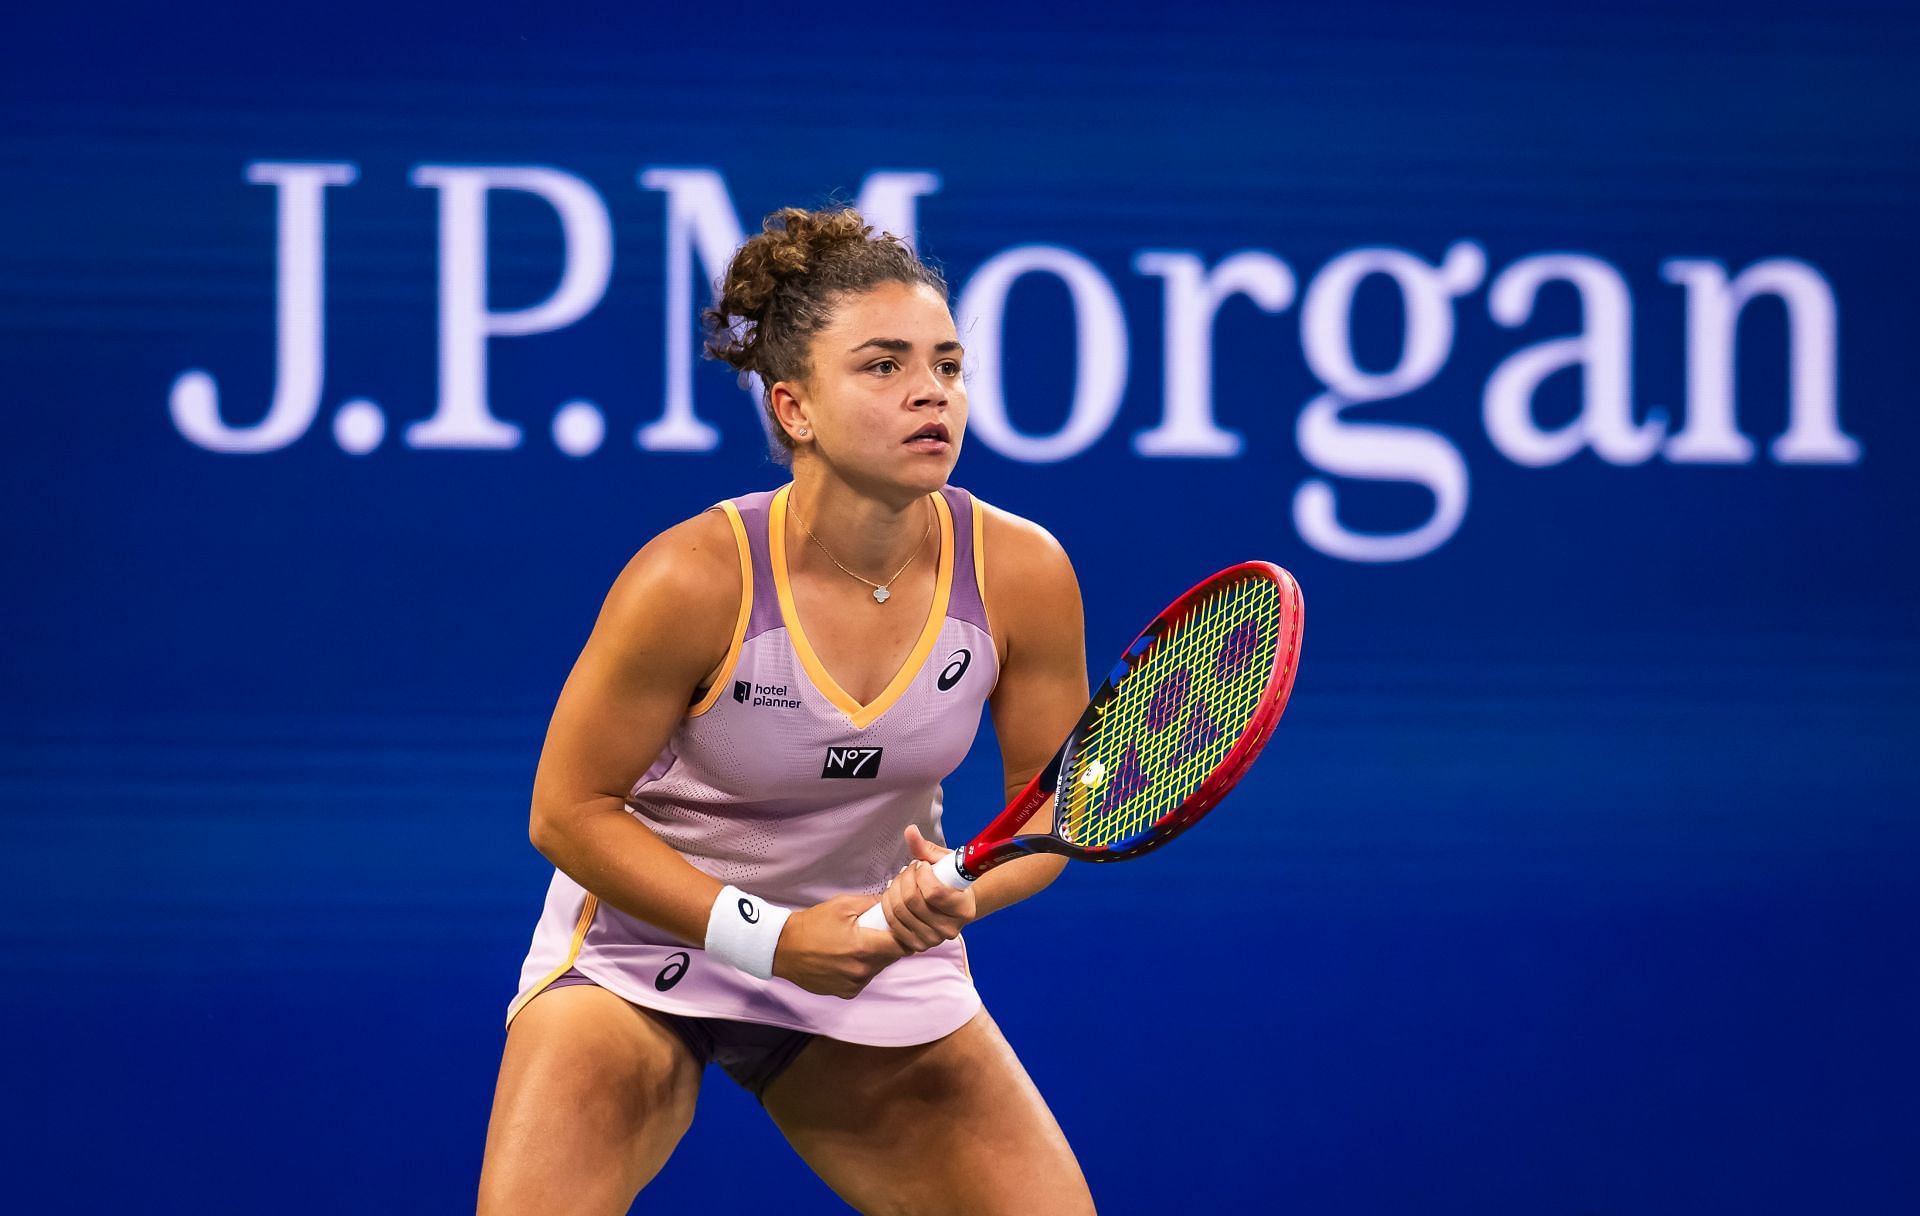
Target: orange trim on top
<point>980,558</point>
<point>740,623</point>
<point>587,908</point>
<point>860,715</point>
<point>980,585</point>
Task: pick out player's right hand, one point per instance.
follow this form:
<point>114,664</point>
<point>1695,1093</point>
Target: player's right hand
<point>823,950</point>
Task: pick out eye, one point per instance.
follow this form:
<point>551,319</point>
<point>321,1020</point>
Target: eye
<point>883,366</point>
<point>949,367</point>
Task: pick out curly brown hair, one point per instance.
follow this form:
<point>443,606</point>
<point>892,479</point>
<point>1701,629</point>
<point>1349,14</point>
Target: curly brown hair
<point>782,285</point>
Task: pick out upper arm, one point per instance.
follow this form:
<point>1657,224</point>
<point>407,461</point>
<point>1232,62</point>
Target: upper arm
<point>666,624</point>
<point>1042,689</point>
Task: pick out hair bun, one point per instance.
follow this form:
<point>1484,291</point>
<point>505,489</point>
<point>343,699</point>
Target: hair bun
<point>782,285</point>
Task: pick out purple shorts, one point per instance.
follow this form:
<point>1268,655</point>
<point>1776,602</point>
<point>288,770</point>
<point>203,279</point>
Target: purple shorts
<point>751,1054</point>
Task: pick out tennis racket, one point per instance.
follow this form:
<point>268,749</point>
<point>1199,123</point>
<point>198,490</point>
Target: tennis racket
<point>1177,723</point>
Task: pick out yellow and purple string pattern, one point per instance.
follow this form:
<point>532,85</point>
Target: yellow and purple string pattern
<point>1173,717</point>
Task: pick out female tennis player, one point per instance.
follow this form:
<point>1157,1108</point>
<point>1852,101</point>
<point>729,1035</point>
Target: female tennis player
<point>749,750</point>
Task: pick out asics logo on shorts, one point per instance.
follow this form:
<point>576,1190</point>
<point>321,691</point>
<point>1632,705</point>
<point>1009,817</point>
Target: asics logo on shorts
<point>670,974</point>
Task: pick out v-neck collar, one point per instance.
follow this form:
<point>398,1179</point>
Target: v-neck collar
<point>860,715</point>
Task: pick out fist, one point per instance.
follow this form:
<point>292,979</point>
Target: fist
<point>824,951</point>
<point>921,910</point>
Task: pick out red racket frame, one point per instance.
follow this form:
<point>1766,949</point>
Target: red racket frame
<point>997,843</point>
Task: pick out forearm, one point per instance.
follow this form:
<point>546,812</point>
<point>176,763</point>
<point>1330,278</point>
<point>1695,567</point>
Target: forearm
<point>1016,880</point>
<point>616,857</point>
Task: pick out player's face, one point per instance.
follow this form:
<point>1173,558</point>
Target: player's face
<point>886,399</point>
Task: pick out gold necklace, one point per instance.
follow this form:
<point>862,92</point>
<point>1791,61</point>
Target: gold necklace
<point>880,593</point>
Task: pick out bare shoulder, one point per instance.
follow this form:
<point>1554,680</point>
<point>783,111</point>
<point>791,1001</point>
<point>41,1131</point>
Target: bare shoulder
<point>1024,558</point>
<point>683,587</point>
<point>1033,595</point>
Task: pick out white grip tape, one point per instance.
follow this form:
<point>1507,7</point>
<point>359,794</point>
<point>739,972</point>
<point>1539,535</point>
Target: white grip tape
<point>743,931</point>
<point>947,870</point>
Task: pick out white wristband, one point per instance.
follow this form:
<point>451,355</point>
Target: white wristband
<point>744,930</point>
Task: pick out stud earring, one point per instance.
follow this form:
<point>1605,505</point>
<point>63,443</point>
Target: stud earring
<point>803,432</point>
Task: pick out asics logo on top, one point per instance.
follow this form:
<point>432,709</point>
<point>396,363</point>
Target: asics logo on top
<point>955,668</point>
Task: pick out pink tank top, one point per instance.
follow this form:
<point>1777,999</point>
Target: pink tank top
<point>780,783</point>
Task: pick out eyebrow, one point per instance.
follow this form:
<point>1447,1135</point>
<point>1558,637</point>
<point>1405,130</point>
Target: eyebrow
<point>901,346</point>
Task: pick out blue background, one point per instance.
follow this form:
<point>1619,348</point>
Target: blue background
<point>1579,878</point>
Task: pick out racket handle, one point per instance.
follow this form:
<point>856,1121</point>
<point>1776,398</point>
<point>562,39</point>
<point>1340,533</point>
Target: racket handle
<point>947,870</point>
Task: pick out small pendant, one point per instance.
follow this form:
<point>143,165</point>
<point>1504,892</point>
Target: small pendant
<point>881,595</point>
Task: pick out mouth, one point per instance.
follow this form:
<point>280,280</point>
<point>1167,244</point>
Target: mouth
<point>932,437</point>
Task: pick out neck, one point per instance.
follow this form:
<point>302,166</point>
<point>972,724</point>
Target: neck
<point>869,535</point>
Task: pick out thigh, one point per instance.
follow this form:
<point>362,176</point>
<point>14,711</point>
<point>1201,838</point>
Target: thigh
<point>593,1095</point>
<point>954,1125</point>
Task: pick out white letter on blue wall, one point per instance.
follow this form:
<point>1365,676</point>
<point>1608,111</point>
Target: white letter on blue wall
<point>300,319</point>
<point>1376,451</point>
<point>1603,350</point>
<point>1100,376</point>
<point>1713,314</point>
<point>462,419</point>
<point>703,226</point>
<point>1194,295</point>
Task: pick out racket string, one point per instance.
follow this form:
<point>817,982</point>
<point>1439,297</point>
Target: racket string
<point>1145,754</point>
<point>1202,643</point>
<point>1186,644</point>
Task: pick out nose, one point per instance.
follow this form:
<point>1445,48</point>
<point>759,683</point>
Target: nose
<point>928,389</point>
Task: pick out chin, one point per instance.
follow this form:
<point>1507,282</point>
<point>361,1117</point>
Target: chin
<point>928,474</point>
<point>908,480</point>
<point>922,473</point>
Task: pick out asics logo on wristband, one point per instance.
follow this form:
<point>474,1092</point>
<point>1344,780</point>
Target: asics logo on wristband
<point>955,668</point>
<point>743,931</point>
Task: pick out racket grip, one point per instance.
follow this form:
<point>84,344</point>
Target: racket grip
<point>947,870</point>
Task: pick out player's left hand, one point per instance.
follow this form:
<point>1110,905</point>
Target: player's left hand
<point>921,910</point>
